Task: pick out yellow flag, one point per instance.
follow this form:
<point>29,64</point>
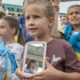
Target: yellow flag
<point>78,55</point>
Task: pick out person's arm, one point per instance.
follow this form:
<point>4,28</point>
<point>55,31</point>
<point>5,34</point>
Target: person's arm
<point>53,74</point>
<point>55,4</point>
<point>20,74</point>
<point>71,76</point>
<point>72,68</point>
<point>50,74</point>
<point>54,32</point>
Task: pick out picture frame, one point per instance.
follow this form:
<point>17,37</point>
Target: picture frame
<point>34,55</point>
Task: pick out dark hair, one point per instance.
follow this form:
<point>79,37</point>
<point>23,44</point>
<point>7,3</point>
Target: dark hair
<point>30,62</point>
<point>63,16</point>
<point>13,22</point>
<point>2,14</point>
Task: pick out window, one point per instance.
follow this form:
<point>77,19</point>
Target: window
<point>9,9</point>
<point>3,6</point>
<point>18,10</point>
<point>12,9</point>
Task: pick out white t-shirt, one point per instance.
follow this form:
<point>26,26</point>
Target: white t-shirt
<point>17,49</point>
<point>75,33</point>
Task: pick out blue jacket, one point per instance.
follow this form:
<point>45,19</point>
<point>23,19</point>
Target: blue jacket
<point>74,40</point>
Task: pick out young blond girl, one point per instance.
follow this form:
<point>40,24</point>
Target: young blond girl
<point>72,31</point>
<point>39,15</point>
<point>10,51</point>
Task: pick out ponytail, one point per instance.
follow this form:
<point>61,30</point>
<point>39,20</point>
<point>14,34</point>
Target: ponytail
<point>20,37</point>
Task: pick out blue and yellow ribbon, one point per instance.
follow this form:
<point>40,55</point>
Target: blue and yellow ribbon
<point>4,52</point>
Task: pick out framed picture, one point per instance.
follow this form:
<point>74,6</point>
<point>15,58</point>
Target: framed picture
<point>34,57</point>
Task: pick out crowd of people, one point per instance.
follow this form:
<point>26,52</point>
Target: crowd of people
<point>38,21</point>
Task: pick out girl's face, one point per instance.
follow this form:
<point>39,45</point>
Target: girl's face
<point>63,20</point>
<point>5,30</point>
<point>36,21</point>
<point>33,65</point>
<point>74,15</point>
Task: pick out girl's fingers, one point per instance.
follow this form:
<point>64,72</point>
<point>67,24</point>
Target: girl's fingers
<point>54,2</point>
<point>47,63</point>
<point>39,74</point>
<point>38,78</point>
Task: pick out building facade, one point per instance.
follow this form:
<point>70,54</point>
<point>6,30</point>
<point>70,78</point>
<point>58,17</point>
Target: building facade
<point>0,2</point>
<point>10,9</point>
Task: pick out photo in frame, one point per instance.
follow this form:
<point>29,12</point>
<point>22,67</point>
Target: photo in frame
<point>34,57</point>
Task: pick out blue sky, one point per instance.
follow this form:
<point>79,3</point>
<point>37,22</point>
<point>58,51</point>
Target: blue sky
<point>63,5</point>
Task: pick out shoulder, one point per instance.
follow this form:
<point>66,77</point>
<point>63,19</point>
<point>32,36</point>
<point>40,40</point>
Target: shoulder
<point>66,46</point>
<point>62,42</point>
<point>17,45</point>
<point>59,45</point>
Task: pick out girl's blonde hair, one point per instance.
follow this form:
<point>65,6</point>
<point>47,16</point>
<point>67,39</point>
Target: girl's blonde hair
<point>46,3</point>
<point>73,6</point>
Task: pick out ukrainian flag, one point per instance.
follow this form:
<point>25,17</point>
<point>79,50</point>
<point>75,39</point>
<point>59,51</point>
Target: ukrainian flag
<point>77,55</point>
<point>16,38</point>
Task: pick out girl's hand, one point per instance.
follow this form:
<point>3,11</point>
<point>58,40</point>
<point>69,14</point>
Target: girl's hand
<point>49,74</point>
<point>22,75</point>
<point>55,2</point>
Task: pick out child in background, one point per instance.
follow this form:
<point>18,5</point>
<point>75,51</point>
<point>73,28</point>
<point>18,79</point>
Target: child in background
<point>2,12</point>
<point>10,51</point>
<point>39,15</point>
<point>63,20</point>
<point>61,25</point>
<point>30,68</point>
<point>72,31</point>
